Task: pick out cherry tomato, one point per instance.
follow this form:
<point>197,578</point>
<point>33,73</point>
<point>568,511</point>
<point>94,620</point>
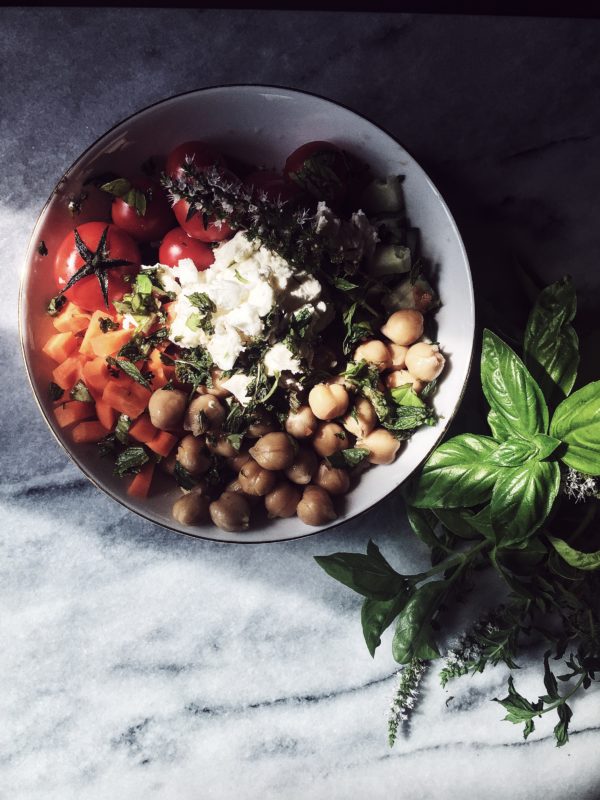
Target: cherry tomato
<point>321,169</point>
<point>194,227</point>
<point>87,293</point>
<point>272,184</point>
<point>204,156</point>
<point>156,219</point>
<point>177,245</point>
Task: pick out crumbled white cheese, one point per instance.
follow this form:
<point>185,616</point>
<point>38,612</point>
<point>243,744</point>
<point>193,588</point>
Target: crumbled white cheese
<point>280,358</point>
<point>238,386</point>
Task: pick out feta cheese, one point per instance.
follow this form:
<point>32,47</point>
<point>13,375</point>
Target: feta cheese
<point>280,358</point>
<point>238,386</point>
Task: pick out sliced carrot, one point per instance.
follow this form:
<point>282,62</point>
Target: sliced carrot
<point>72,318</point>
<point>123,398</point>
<point>92,331</point>
<point>107,344</point>
<point>140,485</point>
<point>143,430</point>
<point>73,411</point>
<point>88,432</point>
<point>163,443</point>
<point>60,346</point>
<point>107,416</point>
<point>69,372</point>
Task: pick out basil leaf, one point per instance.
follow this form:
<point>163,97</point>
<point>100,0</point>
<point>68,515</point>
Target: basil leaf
<point>377,615</point>
<point>345,459</point>
<point>130,461</point>
<point>466,523</point>
<point>414,636</point>
<point>576,422</point>
<point>551,346</point>
<point>522,499</point>
<point>423,522</point>
<point>545,444</point>
<point>118,187</point>
<point>513,452</point>
<point>370,576</point>
<point>406,396</point>
<point>576,558</point>
<point>514,397</point>
<point>458,474</point>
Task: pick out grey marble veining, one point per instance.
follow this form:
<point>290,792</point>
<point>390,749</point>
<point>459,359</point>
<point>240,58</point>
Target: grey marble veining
<point>135,663</point>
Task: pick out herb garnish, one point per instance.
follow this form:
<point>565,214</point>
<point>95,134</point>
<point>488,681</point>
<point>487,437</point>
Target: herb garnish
<point>54,391</point>
<point>129,369</point>
<point>81,393</point>
<point>121,187</point>
<point>130,461</point>
<point>42,249</point>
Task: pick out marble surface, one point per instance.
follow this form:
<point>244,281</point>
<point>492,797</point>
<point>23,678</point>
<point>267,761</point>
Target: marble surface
<point>135,663</point>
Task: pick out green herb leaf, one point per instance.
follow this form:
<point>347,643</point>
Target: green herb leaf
<point>414,636</point>
<point>118,187</point>
<point>576,422</point>
<point>343,285</point>
<point>106,324</point>
<point>201,301</point>
<point>406,396</point>
<point>368,575</point>
<point>466,524</point>
<point>377,615</point>
<point>458,474</point>
<point>514,397</point>
<point>551,346</point>
<point>514,452</point>
<point>54,391</point>
<point>183,477</point>
<point>576,558</point>
<point>561,729</point>
<point>130,461</point>
<point>81,393</point>
<point>522,499</point>
<point>549,679</point>
<point>129,369</point>
<point>122,428</point>
<point>546,445</point>
<point>518,707</point>
<point>345,459</point>
<point>56,304</point>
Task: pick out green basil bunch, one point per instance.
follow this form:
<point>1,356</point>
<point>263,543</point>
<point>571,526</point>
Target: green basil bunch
<point>495,501</point>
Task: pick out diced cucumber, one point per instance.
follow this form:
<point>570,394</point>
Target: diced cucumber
<point>383,196</point>
<point>392,229</point>
<point>390,259</point>
<point>408,295</point>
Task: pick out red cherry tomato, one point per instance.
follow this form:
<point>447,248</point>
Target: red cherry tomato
<point>86,293</point>
<point>194,227</point>
<point>321,169</point>
<point>156,219</point>
<point>204,156</point>
<point>177,245</point>
<point>272,184</point>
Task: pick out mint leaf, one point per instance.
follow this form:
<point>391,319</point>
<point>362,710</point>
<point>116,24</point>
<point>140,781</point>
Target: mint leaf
<point>130,461</point>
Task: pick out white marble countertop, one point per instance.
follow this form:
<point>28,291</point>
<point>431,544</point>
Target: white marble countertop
<point>138,664</point>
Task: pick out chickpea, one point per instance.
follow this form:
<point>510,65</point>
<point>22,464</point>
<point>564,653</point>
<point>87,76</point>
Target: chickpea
<point>199,488</point>
<point>333,480</point>
<point>374,352</point>
<point>339,380</point>
<point>274,451</point>
<point>397,355</point>
<point>362,419</point>
<point>301,423</point>
<point>328,401</point>
<point>282,501</point>
<point>217,389</point>
<point>191,508</point>
<point>425,361</point>
<point>236,486</point>
<point>304,466</point>
<point>168,464</point>
<point>404,327</point>
<point>381,445</point>
<point>262,423</point>
<point>231,512</point>
<point>237,462</point>
<point>401,377</point>
<point>255,480</point>
<point>191,455</point>
<point>204,413</point>
<point>221,446</point>
<point>329,439</point>
<point>316,507</point>
<point>166,408</point>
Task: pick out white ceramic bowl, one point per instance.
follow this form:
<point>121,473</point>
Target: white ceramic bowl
<point>262,124</point>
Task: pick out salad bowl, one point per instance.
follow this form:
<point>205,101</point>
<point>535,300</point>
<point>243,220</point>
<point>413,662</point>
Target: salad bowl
<point>261,124</point>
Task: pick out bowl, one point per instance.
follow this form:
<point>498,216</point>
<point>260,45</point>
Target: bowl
<point>261,124</point>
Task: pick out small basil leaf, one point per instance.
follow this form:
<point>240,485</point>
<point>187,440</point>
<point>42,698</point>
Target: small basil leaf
<point>363,574</point>
<point>423,522</point>
<point>513,452</point>
<point>522,499</point>
<point>576,558</point>
<point>545,444</point>
<point>414,636</point>
<point>406,396</point>
<point>458,474</point>
<point>118,187</point>
<point>459,522</point>
<point>377,615</point>
<point>514,397</point>
<point>551,347</point>
<point>576,422</point>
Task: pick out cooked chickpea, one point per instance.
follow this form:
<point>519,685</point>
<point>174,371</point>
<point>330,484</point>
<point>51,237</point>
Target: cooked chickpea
<point>328,401</point>
<point>401,377</point>
<point>282,501</point>
<point>168,464</point>
<point>362,419</point>
<point>397,355</point>
<point>301,423</point>
<point>329,439</point>
<point>425,361</point>
<point>332,479</point>
<point>217,389</point>
<point>274,451</point>
<point>262,423</point>
<point>236,486</point>
<point>191,508</point>
<point>191,455</point>
<point>316,507</point>
<point>166,408</point>
<point>374,352</point>
<point>237,462</point>
<point>231,512</point>
<point>304,466</point>
<point>404,327</point>
<point>221,446</point>
<point>199,488</point>
<point>204,413</point>
<point>255,480</point>
<point>339,380</point>
<point>381,445</point>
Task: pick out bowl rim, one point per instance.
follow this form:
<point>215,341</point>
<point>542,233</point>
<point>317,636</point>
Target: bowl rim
<point>28,255</point>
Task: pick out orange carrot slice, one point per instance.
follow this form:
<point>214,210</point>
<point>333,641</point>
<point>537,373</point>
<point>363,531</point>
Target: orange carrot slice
<point>140,485</point>
<point>163,443</point>
<point>71,318</point>
<point>60,346</point>
<point>123,398</point>
<point>92,331</point>
<point>73,411</point>
<point>86,432</point>
<point>143,430</point>
<point>107,416</point>
<point>68,373</point>
<point>107,344</point>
